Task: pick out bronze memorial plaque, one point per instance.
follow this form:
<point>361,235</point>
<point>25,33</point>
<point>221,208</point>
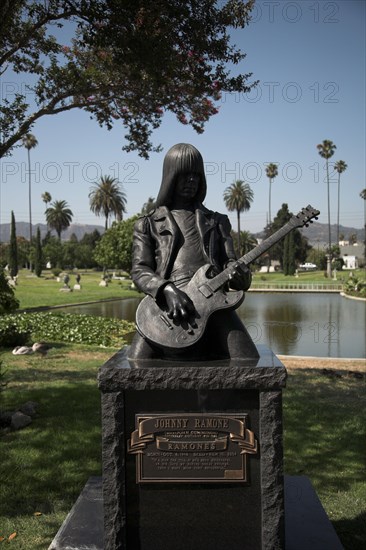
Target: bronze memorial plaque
<point>192,447</point>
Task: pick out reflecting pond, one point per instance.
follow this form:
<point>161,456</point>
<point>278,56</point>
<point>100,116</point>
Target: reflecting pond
<point>311,324</point>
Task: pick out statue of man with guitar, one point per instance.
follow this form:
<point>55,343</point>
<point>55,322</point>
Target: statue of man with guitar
<point>184,260</point>
<point>170,245</point>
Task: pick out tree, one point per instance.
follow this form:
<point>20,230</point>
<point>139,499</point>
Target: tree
<point>148,206</point>
<point>69,254</point>
<point>13,249</point>
<point>114,250</point>
<point>352,238</point>
<point>326,151</point>
<point>340,166</point>
<point>38,256</point>
<point>126,61</point>
<point>317,257</point>
<point>107,198</point>
<point>52,251</point>
<point>290,250</point>
<point>46,197</point>
<point>288,260</point>
<point>247,242</point>
<point>23,248</point>
<point>59,217</point>
<point>30,142</point>
<point>271,172</point>
<point>238,196</point>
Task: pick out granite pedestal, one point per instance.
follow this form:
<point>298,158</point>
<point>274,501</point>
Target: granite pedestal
<point>148,505</point>
<point>306,523</point>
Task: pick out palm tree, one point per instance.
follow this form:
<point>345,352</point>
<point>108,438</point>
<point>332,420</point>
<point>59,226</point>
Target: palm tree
<point>340,167</point>
<point>271,172</point>
<point>238,196</point>
<point>107,198</point>
<point>248,242</point>
<point>46,197</point>
<point>59,217</point>
<point>326,151</point>
<point>29,142</point>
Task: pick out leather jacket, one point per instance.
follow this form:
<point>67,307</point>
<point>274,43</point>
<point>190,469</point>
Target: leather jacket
<point>155,245</point>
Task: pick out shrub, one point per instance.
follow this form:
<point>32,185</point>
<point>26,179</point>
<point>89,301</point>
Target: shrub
<point>68,327</point>
<point>8,302</point>
<point>355,287</point>
<point>11,335</point>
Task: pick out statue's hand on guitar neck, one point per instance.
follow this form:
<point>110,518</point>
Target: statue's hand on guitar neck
<point>241,277</point>
<point>179,306</point>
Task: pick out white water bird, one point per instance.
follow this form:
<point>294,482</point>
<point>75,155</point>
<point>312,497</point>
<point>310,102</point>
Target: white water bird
<point>22,350</point>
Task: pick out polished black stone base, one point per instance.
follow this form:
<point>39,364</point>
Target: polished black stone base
<point>203,515</point>
<point>307,525</point>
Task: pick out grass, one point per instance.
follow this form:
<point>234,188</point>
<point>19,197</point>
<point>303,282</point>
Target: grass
<point>324,439</point>
<point>34,292</point>
<point>44,466</point>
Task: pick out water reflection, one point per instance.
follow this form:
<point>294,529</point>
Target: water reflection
<point>322,325</point>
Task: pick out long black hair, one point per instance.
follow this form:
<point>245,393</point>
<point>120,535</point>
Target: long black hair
<point>180,159</point>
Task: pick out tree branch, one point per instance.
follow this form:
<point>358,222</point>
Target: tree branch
<point>25,38</point>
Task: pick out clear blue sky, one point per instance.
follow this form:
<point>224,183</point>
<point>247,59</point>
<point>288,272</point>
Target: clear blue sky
<point>310,59</point>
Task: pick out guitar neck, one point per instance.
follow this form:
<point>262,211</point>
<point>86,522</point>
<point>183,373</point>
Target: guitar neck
<point>266,245</point>
<point>222,278</point>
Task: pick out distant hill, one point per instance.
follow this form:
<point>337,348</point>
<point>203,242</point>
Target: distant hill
<point>317,233</point>
<point>22,229</point>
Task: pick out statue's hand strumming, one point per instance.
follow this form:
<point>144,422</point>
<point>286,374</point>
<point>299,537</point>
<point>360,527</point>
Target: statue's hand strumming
<point>241,278</point>
<point>180,306</point>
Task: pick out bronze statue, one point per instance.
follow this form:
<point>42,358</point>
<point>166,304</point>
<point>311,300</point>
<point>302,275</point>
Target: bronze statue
<point>171,245</point>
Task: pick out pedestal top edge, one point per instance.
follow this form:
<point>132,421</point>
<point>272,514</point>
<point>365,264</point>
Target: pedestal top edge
<point>267,371</point>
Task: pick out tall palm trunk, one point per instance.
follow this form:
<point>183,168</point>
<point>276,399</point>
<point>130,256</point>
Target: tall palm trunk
<point>329,262</point>
<point>339,198</point>
<point>29,197</point>
<point>238,215</point>
<point>269,205</point>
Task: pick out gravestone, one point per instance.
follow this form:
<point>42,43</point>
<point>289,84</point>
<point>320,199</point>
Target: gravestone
<point>192,453</point>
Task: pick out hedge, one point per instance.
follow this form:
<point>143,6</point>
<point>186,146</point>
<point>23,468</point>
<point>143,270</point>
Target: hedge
<point>22,328</point>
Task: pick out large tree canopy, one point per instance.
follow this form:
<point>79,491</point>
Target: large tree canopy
<point>128,61</point>
<point>114,250</point>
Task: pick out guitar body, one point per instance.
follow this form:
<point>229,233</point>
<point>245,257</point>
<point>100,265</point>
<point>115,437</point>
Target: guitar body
<point>154,324</point>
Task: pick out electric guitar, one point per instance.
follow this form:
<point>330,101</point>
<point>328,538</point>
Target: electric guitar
<point>208,295</point>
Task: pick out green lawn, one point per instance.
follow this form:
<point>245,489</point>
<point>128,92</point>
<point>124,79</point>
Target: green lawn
<point>325,435</point>
<point>33,292</point>
<point>44,466</point>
